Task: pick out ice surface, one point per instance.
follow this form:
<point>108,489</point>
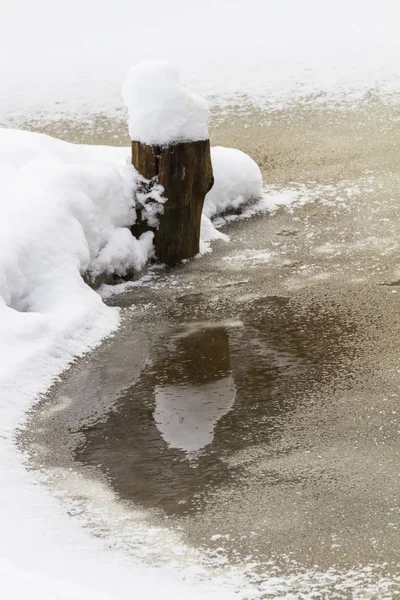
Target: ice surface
<point>161,110</point>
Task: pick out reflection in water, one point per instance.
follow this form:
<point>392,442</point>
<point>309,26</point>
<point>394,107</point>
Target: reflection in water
<point>209,427</point>
<point>192,401</point>
<point>208,389</point>
<point>186,414</point>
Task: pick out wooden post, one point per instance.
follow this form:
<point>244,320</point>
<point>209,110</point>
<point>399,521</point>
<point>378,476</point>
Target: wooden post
<point>185,171</point>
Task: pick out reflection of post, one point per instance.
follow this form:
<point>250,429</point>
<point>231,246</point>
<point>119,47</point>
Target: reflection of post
<point>200,356</point>
<point>197,390</point>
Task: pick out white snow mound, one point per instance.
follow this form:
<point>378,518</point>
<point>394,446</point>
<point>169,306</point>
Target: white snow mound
<point>65,210</point>
<point>237,180</point>
<point>161,110</point>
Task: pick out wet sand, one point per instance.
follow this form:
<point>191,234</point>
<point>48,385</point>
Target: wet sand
<point>249,402</point>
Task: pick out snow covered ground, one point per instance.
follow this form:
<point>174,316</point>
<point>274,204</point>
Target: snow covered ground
<point>63,58</point>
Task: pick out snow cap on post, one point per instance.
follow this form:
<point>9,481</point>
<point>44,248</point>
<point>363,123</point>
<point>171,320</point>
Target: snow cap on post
<point>161,110</point>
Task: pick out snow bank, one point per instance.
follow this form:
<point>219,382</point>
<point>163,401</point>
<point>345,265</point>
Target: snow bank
<point>65,211</point>
<point>237,180</point>
<point>160,108</point>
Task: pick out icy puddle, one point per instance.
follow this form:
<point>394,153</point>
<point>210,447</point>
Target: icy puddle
<point>243,423</point>
<point>209,389</point>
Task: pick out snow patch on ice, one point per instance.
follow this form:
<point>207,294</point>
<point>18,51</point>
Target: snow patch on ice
<point>208,234</point>
<point>253,256</point>
<point>272,54</point>
<point>237,180</point>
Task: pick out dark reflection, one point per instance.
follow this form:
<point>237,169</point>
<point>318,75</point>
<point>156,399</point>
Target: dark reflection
<point>149,446</point>
<point>208,390</point>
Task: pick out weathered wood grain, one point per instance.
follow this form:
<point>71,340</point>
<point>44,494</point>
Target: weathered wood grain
<point>185,172</point>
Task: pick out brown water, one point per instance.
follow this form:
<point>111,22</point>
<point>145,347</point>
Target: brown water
<point>250,400</point>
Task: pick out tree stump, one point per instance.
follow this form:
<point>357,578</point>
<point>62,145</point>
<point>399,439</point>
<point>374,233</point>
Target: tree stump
<point>185,172</point>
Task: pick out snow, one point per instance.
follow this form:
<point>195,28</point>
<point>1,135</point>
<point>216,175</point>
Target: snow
<point>150,199</point>
<point>123,253</point>
<point>63,59</point>
<point>161,110</point>
<point>65,212</point>
<point>237,180</point>
<point>209,233</point>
